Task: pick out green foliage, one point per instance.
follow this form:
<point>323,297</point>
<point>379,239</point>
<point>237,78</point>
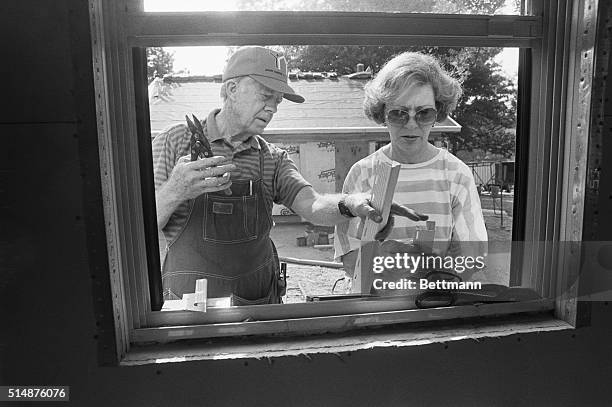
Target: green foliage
<point>159,62</point>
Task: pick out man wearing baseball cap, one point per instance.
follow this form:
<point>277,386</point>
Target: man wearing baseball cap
<point>225,236</point>
<point>267,67</point>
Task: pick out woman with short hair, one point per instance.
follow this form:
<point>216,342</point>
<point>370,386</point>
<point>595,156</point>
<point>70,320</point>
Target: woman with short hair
<point>409,94</point>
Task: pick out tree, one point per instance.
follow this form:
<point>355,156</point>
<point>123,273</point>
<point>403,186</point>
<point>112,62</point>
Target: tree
<point>487,110</point>
<point>159,62</point>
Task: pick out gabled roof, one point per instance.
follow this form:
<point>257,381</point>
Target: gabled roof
<point>330,103</point>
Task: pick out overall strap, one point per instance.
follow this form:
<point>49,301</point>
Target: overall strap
<point>261,159</point>
<point>267,194</point>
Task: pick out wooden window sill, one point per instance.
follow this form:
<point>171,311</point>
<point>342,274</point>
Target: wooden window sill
<point>421,333</point>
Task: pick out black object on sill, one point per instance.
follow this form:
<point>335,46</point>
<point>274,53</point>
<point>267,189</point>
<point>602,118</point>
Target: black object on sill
<point>315,298</point>
<point>487,294</point>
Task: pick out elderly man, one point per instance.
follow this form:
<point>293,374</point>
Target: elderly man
<point>222,236</point>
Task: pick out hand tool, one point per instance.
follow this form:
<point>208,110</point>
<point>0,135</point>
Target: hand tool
<point>200,147</point>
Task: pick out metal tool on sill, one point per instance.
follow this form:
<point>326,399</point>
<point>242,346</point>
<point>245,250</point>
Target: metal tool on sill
<point>199,145</point>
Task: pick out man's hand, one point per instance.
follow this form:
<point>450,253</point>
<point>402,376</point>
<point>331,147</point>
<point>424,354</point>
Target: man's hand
<point>190,179</point>
<point>322,209</point>
<point>360,205</point>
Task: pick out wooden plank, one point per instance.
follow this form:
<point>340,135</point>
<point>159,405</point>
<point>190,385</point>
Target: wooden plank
<point>124,154</point>
<point>121,309</point>
<point>578,125</point>
<point>385,179</point>
<point>123,151</point>
<point>601,131</point>
<point>335,323</point>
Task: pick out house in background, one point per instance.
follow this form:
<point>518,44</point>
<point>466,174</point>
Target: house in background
<point>324,135</point>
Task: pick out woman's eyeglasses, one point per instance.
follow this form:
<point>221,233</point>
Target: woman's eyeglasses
<point>401,117</point>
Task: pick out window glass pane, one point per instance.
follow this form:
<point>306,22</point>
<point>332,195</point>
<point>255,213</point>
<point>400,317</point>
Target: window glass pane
<point>490,7</point>
<point>480,132</point>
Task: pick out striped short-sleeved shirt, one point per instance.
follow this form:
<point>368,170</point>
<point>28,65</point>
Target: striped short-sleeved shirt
<point>442,188</point>
<point>281,177</point>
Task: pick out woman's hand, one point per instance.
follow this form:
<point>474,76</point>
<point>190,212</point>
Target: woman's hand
<point>399,210</point>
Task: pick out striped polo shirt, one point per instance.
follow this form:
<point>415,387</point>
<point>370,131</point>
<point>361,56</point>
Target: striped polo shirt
<point>442,188</point>
<point>281,177</point>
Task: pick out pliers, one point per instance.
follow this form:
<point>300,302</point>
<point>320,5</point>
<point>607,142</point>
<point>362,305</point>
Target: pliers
<point>200,147</point>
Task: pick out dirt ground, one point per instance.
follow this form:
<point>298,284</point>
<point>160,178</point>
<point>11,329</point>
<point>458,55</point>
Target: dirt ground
<point>314,280</point>
<point>498,226</point>
<point>305,280</point>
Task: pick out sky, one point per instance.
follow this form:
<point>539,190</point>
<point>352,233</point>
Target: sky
<point>210,60</point>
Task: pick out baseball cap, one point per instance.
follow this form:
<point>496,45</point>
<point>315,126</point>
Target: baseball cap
<point>267,67</point>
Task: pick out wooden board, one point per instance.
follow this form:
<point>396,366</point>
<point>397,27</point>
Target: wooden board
<point>382,197</point>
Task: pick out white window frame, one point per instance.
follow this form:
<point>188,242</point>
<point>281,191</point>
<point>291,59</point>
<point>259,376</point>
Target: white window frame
<point>561,39</point>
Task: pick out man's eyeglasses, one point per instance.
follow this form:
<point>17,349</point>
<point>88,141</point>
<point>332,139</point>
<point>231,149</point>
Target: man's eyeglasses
<point>401,117</point>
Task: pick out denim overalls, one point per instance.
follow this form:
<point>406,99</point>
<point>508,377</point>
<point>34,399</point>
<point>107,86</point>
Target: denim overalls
<point>227,240</point>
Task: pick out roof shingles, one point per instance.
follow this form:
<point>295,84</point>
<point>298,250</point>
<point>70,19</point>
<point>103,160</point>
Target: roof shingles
<point>329,103</point>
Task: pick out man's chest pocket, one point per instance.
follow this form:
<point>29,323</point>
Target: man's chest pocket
<point>230,219</point>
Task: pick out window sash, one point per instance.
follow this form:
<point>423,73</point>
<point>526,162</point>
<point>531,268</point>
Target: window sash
<point>312,318</point>
<point>557,193</point>
<point>317,28</point>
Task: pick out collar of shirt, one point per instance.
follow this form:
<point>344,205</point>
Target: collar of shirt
<point>213,135</point>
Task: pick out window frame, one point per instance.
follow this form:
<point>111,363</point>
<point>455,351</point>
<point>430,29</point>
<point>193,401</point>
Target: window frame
<point>557,165</point>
